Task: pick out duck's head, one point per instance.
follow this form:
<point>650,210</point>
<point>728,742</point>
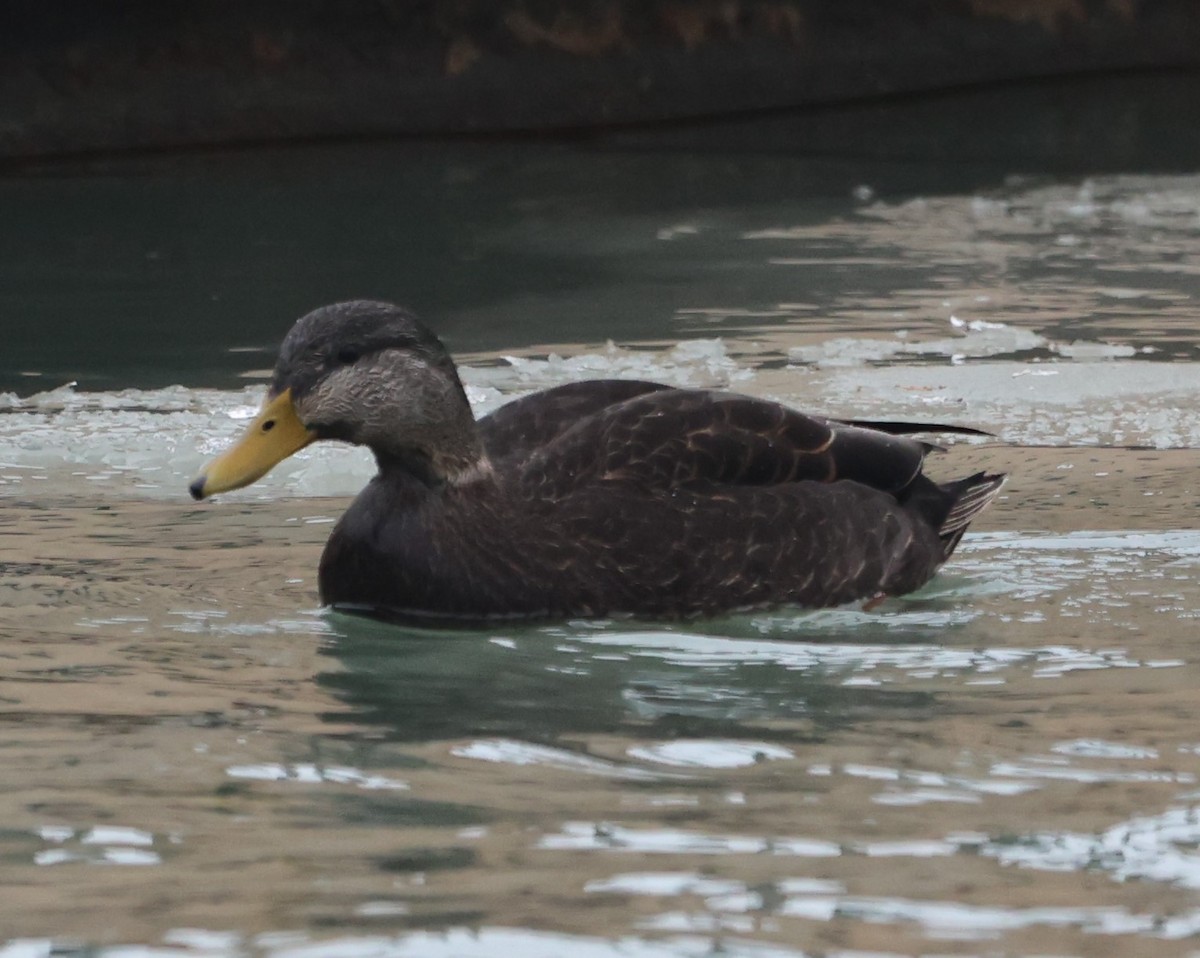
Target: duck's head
<point>362,372</point>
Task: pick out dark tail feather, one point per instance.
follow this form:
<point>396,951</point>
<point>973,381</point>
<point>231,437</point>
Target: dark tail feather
<point>971,496</point>
<point>899,428</point>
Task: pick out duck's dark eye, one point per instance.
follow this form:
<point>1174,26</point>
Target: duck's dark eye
<point>268,425</point>
<point>347,355</point>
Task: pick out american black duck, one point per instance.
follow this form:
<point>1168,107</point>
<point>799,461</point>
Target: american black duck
<point>591,499</point>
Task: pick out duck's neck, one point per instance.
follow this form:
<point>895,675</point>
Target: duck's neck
<point>444,467</point>
<point>447,450</point>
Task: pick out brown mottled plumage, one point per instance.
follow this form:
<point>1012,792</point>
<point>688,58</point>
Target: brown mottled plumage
<point>600,498</point>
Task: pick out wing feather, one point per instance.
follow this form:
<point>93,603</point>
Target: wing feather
<point>686,438</point>
<point>518,428</point>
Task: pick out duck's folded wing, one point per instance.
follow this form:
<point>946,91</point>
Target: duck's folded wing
<point>689,438</point>
<point>519,428</point>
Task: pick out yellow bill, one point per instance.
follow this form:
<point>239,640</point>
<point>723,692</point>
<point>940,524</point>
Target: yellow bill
<point>275,434</point>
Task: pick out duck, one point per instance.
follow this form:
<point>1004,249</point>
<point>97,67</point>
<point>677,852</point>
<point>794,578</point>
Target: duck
<point>597,499</point>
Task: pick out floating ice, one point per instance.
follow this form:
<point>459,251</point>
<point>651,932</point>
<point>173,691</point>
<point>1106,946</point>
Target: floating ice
<point>663,883</point>
<point>152,443</point>
<point>101,844</point>
<point>56,856</point>
<point>978,340</point>
<point>916,848</point>
<point>131,856</point>
<point>1095,748</point>
<point>1088,775</point>
<point>483,942</point>
<point>810,886</point>
<point>208,622</point>
<point>693,362</point>
<point>117,835</point>
<point>148,443</point>
<point>956,920</point>
<point>1128,403</point>
<point>313,774</point>
<point>381,909</point>
<point>511,752</point>
<point>907,787</point>
<point>597,836</point>
<point>201,939</point>
<point>27,948</point>
<point>711,753</point>
<point>926,796</point>
<point>113,855</point>
<point>1080,349</point>
<point>1150,848</point>
<point>824,900</point>
<point>489,942</point>
<point>1053,273</point>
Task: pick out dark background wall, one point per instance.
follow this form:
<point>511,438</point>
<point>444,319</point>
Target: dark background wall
<point>103,75</point>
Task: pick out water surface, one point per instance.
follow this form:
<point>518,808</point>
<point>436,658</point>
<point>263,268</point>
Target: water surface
<point>200,761</point>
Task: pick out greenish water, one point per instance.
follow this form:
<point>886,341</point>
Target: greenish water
<point>146,271</point>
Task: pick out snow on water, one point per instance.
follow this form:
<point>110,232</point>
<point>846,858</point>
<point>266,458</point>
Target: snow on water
<point>710,753</point>
<point>526,753</point>
<point>969,339</point>
<point>473,942</point>
<point>703,363</point>
<point>151,443</point>
<point>146,443</point>
<point>1067,403</point>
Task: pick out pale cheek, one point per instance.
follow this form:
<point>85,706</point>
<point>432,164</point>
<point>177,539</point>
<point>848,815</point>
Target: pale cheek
<point>331,401</point>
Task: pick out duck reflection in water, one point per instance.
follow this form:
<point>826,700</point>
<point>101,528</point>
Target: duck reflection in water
<point>547,684</point>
